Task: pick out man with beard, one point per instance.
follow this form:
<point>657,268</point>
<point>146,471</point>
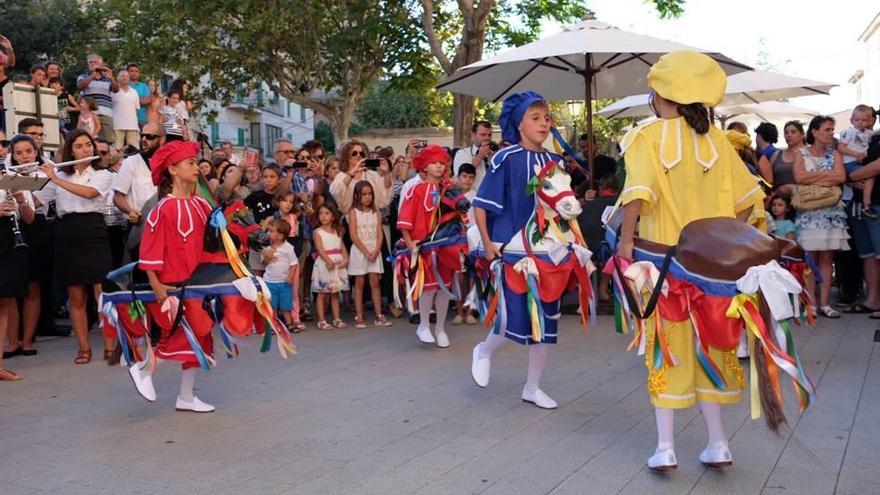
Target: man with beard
<point>133,184</point>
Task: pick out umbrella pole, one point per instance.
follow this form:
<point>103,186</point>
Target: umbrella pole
<point>588,82</point>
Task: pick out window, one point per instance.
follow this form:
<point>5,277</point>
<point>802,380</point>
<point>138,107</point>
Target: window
<point>241,136</point>
<point>302,114</point>
<point>255,136</point>
<point>273,134</point>
<point>288,109</point>
<point>215,133</point>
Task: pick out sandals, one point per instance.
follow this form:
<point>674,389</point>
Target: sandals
<point>859,308</point>
<point>382,321</point>
<point>83,357</point>
<point>9,375</point>
<point>108,354</point>
<point>296,327</point>
<point>829,312</point>
<point>339,324</point>
<point>358,322</point>
<point>323,325</point>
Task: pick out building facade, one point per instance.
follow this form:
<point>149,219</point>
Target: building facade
<point>867,79</point>
<point>256,120</point>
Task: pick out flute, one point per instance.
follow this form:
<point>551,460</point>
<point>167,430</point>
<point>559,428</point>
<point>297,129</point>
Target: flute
<point>15,168</point>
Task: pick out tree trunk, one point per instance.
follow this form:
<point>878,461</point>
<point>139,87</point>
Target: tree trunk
<point>470,51</point>
<point>463,119</point>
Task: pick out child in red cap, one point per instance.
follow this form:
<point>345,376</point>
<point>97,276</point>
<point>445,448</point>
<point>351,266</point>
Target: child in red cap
<point>170,250</point>
<point>418,220</point>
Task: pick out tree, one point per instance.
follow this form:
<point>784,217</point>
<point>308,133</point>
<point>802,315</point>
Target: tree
<point>41,30</point>
<point>322,54</point>
<point>390,107</point>
<point>458,35</point>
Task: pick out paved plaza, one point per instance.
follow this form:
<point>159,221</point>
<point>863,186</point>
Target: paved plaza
<point>375,412</point>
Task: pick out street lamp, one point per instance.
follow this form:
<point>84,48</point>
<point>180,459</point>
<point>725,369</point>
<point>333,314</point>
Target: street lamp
<point>575,107</point>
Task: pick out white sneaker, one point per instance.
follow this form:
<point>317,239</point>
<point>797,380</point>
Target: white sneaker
<point>442,339</point>
<point>194,406</point>
<point>663,460</point>
<point>538,398</point>
<point>143,382</point>
<point>480,367</point>
<point>424,334</point>
<point>716,457</point>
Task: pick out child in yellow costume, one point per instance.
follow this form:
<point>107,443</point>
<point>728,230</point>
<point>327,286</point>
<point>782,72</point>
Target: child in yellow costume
<point>680,169</point>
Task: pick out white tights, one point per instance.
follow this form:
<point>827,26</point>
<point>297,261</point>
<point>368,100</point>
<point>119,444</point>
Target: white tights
<point>187,381</point>
<point>440,301</point>
<point>538,354</point>
<point>666,425</point>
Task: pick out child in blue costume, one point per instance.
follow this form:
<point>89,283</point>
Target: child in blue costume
<point>501,208</point>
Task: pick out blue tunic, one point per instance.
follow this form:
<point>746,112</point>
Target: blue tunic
<point>503,195</point>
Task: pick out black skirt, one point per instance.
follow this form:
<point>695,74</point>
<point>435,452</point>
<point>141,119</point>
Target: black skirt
<point>13,263</point>
<point>39,235</point>
<point>82,249</point>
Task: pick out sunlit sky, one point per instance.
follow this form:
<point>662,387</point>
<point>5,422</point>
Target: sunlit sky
<point>815,39</point>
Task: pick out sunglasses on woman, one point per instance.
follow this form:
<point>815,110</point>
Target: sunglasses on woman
<point>359,153</point>
<point>5,143</point>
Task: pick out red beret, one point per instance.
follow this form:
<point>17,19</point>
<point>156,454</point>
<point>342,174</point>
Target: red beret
<point>430,154</point>
<point>169,154</point>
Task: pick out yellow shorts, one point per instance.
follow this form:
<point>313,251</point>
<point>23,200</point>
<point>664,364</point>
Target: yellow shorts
<point>679,387</point>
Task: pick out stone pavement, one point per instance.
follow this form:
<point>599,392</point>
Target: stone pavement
<point>374,411</point>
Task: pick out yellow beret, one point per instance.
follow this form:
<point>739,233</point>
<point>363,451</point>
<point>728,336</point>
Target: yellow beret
<point>738,140</point>
<point>686,76</point>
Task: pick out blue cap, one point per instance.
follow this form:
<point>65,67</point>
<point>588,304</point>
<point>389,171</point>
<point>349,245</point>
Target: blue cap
<point>512,112</point>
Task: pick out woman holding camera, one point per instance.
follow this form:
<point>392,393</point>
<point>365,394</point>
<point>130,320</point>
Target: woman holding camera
<point>82,249</point>
<point>354,168</point>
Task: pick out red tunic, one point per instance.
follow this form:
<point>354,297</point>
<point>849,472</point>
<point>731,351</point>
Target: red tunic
<point>417,213</point>
<point>171,246</point>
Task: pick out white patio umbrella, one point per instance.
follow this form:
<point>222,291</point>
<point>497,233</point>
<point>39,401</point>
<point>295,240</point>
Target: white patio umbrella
<point>764,111</point>
<point>588,60</point>
<point>743,88</point>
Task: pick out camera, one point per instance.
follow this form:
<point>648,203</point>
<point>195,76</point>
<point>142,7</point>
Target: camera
<point>493,146</point>
<point>300,165</point>
<point>422,143</point>
<point>371,163</point>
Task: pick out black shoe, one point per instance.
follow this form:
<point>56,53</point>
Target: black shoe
<point>11,354</point>
<point>433,318</point>
<point>414,319</point>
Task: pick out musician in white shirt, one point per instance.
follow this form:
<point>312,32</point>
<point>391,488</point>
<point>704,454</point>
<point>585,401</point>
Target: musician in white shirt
<point>82,250</point>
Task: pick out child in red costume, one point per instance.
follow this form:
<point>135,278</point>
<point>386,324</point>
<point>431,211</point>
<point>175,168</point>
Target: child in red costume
<point>171,249</point>
<point>418,220</point>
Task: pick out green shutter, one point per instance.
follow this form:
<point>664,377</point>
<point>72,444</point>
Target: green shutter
<point>240,136</point>
<point>215,133</point>
<point>302,114</point>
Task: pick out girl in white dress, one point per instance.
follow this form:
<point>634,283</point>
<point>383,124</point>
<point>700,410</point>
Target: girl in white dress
<point>366,252</point>
<point>330,274</point>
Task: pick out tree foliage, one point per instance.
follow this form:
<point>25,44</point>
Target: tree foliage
<point>322,54</point>
<point>42,30</point>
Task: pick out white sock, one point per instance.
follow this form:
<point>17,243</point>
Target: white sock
<point>491,344</point>
<point>712,414</point>
<point>187,383</point>
<point>665,428</point>
<point>538,354</point>
<point>426,300</point>
<point>441,305</point>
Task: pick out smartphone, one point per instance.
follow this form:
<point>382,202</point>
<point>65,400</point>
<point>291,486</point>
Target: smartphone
<point>372,163</point>
<point>300,164</point>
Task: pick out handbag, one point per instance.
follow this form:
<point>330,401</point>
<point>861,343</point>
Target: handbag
<point>813,197</point>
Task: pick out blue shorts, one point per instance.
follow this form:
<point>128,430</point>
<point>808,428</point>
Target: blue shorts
<point>865,231</point>
<point>282,295</point>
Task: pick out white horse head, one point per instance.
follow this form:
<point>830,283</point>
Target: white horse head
<point>554,197</point>
<point>554,192</point>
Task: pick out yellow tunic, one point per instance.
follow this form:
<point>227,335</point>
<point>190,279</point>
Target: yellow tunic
<point>681,177</point>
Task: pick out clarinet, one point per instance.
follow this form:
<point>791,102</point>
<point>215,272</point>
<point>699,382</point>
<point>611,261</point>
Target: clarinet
<point>17,235</point>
